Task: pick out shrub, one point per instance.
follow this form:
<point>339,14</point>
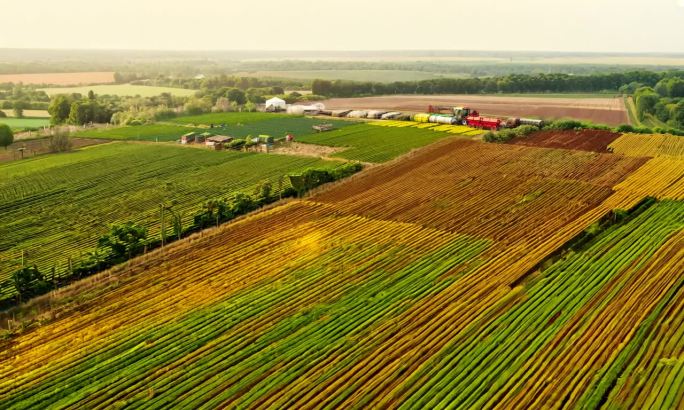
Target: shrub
<point>59,140</point>
<point>29,282</point>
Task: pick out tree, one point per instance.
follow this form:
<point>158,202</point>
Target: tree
<point>59,109</point>
<point>29,282</point>
<point>124,241</point>
<point>237,96</point>
<point>676,88</point>
<point>78,114</point>
<point>6,136</point>
<point>322,87</point>
<point>277,90</point>
<point>18,107</point>
<point>91,95</point>
<point>678,115</point>
<point>646,100</point>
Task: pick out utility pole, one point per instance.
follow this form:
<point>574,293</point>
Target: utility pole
<point>161,206</point>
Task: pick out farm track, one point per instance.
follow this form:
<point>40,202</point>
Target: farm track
<point>411,285</point>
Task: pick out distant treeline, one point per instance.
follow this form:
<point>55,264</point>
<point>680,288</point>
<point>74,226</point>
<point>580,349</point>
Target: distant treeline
<point>514,83</point>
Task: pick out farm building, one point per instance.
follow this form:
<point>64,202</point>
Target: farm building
<point>188,138</point>
<point>276,104</point>
<point>217,141</point>
<point>200,138</point>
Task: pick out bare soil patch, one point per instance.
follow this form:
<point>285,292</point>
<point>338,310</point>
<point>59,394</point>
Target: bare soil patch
<point>609,110</point>
<point>584,140</point>
<point>311,150</point>
<point>98,77</point>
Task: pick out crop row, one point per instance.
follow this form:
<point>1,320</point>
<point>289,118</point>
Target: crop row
<point>55,207</point>
<point>660,177</point>
<point>571,321</point>
<point>500,192</point>
<point>367,295</point>
<point>356,272</point>
<point>654,145</point>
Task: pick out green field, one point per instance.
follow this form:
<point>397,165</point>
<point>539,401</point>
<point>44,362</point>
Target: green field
<point>229,118</point>
<point>151,132</point>
<point>385,76</point>
<point>369,143</point>
<point>273,126</point>
<point>123,90</point>
<point>54,207</point>
<point>23,123</point>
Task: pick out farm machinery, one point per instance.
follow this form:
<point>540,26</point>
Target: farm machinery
<point>472,118</point>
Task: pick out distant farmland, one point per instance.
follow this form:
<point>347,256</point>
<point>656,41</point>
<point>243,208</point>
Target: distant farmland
<point>385,76</point>
<point>101,77</point>
<point>121,90</point>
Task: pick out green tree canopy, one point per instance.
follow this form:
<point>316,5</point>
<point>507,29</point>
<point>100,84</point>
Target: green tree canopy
<point>124,241</point>
<point>236,95</point>
<point>6,136</point>
<point>59,109</point>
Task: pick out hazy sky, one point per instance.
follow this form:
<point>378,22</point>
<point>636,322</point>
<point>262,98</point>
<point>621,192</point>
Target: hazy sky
<point>560,25</point>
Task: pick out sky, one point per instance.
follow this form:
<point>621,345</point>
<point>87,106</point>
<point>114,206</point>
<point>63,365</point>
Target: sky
<point>528,25</point>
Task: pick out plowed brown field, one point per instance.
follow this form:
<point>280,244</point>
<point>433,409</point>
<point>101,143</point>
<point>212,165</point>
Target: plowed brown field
<point>585,140</point>
<point>607,110</point>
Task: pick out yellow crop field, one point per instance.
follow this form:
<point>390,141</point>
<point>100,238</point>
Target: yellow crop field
<point>451,129</point>
<point>653,145</point>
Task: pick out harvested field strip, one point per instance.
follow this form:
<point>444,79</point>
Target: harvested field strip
<point>653,145</point>
<point>584,140</point>
<point>489,190</point>
<point>55,207</point>
<point>368,143</point>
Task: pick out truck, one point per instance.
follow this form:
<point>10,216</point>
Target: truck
<point>484,122</point>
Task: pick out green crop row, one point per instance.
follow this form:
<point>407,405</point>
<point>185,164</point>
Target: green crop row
<point>472,370</point>
<point>228,349</point>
